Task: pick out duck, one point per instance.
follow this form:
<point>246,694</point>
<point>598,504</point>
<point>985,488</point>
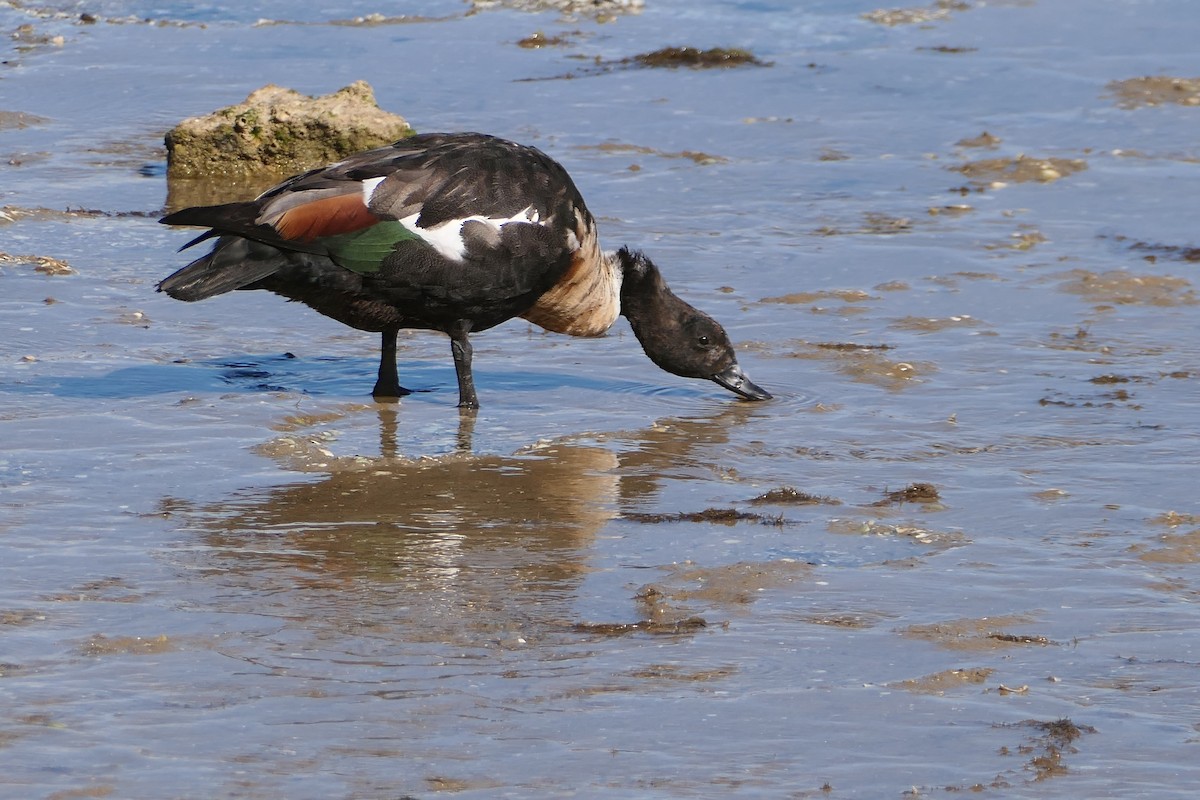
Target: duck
<point>449,232</point>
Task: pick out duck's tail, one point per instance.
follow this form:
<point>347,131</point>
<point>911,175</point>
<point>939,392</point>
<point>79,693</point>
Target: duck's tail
<point>234,263</point>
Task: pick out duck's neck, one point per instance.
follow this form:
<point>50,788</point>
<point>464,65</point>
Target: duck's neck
<point>644,293</point>
<point>655,314</point>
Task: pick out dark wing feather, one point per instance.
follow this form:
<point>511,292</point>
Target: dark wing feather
<point>441,178</point>
<point>448,176</point>
<point>239,219</point>
<point>235,262</point>
<point>230,217</point>
<point>493,178</point>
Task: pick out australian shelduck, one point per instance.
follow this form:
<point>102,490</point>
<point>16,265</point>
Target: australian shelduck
<point>452,232</point>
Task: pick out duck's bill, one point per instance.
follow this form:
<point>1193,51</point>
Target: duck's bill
<point>736,381</point>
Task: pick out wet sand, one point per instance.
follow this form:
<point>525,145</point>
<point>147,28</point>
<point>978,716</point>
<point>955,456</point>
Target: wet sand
<point>959,552</point>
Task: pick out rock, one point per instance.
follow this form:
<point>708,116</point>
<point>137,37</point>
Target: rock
<point>281,131</point>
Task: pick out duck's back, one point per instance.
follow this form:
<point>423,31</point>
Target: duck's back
<point>437,228</point>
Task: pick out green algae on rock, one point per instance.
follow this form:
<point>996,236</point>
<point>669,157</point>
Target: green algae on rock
<point>280,130</point>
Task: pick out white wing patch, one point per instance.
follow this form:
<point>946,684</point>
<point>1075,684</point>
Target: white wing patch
<point>447,237</point>
<point>368,189</point>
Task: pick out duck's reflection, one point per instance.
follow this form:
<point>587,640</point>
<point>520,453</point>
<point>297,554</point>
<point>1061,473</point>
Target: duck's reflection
<point>683,447</point>
<point>485,539</point>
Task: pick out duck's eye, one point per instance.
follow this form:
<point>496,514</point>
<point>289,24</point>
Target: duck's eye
<point>702,341</point>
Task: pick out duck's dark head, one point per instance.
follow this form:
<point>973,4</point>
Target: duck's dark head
<point>676,336</point>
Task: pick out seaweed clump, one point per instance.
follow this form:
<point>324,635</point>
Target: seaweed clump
<point>694,57</point>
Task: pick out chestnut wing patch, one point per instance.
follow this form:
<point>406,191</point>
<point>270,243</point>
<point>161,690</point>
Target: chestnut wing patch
<point>329,216</point>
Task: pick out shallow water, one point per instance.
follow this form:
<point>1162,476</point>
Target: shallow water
<point>227,573</point>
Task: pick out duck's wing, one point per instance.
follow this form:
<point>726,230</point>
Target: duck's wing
<point>457,193</point>
<point>445,223</point>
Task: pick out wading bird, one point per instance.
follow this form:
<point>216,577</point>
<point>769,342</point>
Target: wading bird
<point>452,232</point>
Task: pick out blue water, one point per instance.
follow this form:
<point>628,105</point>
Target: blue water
<point>227,573</point>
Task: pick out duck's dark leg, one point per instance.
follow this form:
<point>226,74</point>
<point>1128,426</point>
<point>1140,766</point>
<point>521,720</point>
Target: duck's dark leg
<point>460,347</point>
<point>388,387</point>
